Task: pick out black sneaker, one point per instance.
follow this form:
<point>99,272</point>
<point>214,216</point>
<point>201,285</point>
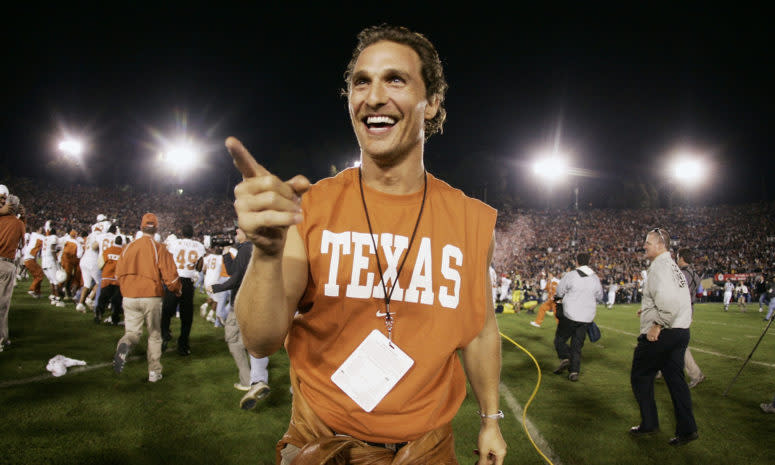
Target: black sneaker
<point>682,439</point>
<point>639,431</point>
<point>564,364</point>
<point>120,358</point>
<point>184,351</point>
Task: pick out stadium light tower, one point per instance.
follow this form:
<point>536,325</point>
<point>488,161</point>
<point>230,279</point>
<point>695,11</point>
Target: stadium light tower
<point>688,170</point>
<point>181,157</point>
<point>553,168</point>
<point>71,148</point>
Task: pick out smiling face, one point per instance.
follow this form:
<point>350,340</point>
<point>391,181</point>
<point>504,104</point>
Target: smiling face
<point>387,102</point>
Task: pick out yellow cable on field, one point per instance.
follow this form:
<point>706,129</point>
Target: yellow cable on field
<point>532,396</point>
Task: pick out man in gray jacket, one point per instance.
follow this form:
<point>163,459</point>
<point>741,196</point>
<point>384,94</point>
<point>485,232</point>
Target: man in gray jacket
<point>665,317</point>
<point>580,291</point>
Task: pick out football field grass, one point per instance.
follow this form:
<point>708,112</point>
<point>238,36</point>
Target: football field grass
<point>91,416</point>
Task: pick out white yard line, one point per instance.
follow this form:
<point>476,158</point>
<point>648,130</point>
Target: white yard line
<point>696,349</point>
<point>539,440</point>
<point>73,370</point>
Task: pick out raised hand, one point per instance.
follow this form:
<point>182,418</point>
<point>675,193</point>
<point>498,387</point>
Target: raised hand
<point>266,206</point>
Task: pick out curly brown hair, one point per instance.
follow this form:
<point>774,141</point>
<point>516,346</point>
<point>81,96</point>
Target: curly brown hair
<point>431,68</point>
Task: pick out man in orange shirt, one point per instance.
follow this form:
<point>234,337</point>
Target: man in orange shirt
<point>11,234</point>
<point>382,269</point>
<point>143,268</point>
<point>110,290</point>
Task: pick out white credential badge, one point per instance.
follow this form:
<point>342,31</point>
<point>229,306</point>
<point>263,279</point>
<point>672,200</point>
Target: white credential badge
<point>372,370</point>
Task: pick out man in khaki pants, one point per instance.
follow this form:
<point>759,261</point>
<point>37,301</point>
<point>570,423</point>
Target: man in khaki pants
<point>11,232</point>
<point>142,268</point>
<point>684,260</point>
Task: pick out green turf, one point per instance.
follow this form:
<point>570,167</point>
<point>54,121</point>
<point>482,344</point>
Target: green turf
<point>192,415</point>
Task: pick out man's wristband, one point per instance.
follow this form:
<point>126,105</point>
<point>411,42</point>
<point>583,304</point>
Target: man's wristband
<point>496,416</point>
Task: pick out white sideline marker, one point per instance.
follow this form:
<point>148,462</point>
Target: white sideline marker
<point>516,409</point>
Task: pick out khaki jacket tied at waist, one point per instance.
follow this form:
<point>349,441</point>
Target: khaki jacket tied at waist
<point>319,445</point>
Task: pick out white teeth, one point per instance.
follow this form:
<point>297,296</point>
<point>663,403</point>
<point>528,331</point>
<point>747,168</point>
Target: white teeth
<point>380,120</point>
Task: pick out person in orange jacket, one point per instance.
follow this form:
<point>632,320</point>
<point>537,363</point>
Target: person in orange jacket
<point>144,268</point>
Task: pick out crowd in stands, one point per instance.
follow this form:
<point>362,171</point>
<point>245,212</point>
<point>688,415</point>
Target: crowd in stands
<point>76,207</point>
<point>725,238</point>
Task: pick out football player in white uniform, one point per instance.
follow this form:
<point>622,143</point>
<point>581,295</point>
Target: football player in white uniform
<point>728,289</point>
<point>188,254</point>
<point>50,264</point>
<point>612,288</point>
<point>105,239</point>
<point>95,244</point>
<point>103,223</point>
<point>217,302</point>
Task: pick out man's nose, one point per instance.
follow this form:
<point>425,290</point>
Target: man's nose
<point>377,96</point>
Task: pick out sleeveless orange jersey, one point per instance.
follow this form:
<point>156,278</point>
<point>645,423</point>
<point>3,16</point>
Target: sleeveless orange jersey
<point>439,303</point>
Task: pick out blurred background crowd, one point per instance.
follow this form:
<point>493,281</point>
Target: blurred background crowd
<point>727,239</point>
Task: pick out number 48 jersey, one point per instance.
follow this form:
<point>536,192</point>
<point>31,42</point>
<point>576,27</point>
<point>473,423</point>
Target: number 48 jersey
<point>187,253</point>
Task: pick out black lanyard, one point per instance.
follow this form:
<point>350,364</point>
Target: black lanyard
<point>388,316</point>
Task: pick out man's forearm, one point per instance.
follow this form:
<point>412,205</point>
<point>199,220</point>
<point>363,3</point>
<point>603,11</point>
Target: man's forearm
<point>482,360</point>
<point>227,285</point>
<point>261,306</point>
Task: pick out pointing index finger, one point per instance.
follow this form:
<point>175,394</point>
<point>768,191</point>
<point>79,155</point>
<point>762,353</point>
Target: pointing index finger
<point>243,160</point>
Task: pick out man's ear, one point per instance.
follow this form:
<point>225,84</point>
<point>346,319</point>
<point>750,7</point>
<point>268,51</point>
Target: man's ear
<point>432,108</point>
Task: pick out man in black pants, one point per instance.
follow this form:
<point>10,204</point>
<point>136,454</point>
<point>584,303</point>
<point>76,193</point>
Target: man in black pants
<point>580,291</point>
<point>665,317</point>
<point>110,290</point>
<point>189,257</point>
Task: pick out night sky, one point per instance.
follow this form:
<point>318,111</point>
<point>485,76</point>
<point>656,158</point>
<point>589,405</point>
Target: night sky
<point>619,90</point>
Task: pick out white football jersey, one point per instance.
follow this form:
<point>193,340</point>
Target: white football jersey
<point>105,240</point>
<point>186,252</point>
<point>212,267</point>
<point>90,256</point>
<point>32,242</point>
<point>48,254</point>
